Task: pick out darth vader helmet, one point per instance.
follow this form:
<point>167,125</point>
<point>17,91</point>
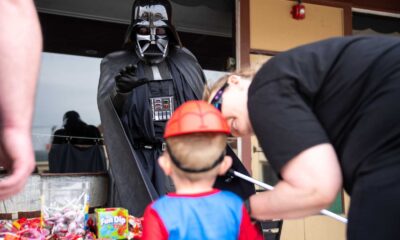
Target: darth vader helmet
<point>151,31</point>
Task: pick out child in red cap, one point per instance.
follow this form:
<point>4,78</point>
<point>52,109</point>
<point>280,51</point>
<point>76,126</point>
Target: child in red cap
<point>196,140</point>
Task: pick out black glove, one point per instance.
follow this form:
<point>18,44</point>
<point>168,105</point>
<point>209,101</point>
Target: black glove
<point>127,80</point>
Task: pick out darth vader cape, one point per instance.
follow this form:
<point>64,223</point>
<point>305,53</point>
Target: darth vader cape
<point>130,186</point>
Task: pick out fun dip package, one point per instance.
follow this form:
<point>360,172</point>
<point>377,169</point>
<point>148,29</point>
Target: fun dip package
<point>112,223</point>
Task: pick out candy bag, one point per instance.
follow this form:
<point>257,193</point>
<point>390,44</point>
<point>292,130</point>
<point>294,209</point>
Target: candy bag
<point>65,208</point>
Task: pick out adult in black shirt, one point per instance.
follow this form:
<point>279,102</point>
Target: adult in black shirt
<point>326,114</point>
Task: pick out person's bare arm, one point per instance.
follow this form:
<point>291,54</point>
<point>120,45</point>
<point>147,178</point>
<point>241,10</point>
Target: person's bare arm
<point>311,181</point>
<point>20,48</point>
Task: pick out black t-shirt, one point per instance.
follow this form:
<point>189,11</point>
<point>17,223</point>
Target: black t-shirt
<point>343,91</point>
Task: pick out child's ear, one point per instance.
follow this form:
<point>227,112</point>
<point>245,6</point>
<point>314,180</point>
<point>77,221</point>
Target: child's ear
<point>225,165</point>
<point>165,163</point>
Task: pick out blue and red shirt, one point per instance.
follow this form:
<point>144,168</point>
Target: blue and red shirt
<point>211,215</point>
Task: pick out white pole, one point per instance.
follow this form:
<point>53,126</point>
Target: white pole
<point>269,187</point>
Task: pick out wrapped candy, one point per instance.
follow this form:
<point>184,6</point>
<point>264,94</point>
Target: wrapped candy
<point>90,236</point>
<point>24,223</point>
<point>25,229</point>
<point>11,236</point>
<point>135,227</point>
<point>31,234</point>
<point>6,226</point>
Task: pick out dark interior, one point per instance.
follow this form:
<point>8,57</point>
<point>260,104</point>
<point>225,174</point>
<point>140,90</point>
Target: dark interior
<point>84,37</point>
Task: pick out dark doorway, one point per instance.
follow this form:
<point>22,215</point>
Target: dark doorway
<point>92,38</point>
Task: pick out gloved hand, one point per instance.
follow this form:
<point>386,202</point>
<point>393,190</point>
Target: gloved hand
<point>127,80</point>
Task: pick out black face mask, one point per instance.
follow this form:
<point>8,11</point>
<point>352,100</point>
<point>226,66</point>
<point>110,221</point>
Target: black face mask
<point>152,43</point>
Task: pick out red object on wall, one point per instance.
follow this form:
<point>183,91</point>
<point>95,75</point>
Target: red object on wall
<point>298,11</point>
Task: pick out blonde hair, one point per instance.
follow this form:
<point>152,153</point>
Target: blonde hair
<point>196,151</point>
<point>245,73</point>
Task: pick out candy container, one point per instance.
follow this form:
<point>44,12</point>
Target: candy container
<point>64,208</point>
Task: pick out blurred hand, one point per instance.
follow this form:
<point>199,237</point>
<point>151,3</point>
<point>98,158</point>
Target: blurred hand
<point>127,80</point>
<point>16,156</point>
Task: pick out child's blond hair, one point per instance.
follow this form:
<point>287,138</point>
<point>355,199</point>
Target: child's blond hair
<point>197,151</point>
<point>246,74</point>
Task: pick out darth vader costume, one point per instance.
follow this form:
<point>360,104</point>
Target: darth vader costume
<point>139,89</point>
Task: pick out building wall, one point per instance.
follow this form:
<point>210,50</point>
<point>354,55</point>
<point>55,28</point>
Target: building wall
<point>272,27</point>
